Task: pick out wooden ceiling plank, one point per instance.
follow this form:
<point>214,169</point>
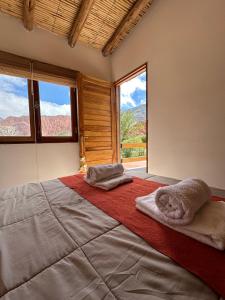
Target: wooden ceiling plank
<point>28,14</point>
<point>85,8</point>
<point>124,25</point>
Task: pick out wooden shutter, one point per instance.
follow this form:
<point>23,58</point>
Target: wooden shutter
<point>55,74</point>
<point>11,64</point>
<point>97,121</point>
<point>14,65</point>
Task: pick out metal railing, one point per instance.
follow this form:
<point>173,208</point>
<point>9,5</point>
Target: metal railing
<point>133,152</point>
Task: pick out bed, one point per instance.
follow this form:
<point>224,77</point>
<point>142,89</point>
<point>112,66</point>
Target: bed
<point>56,245</point>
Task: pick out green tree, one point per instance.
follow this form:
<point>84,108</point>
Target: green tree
<point>127,124</point>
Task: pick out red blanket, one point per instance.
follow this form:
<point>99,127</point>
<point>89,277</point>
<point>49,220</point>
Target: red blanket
<point>202,260</point>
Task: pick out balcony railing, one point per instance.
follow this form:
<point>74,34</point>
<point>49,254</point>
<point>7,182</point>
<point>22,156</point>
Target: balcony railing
<point>133,152</point>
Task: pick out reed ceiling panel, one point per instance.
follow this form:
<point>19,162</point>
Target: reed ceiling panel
<point>58,16</point>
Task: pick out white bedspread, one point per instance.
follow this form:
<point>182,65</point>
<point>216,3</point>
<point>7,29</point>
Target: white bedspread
<point>55,245</point>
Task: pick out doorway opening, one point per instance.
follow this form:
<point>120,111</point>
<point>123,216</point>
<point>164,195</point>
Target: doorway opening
<point>132,107</point>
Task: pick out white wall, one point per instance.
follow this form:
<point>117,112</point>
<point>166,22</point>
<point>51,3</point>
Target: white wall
<point>21,163</point>
<point>29,162</point>
<point>184,45</point>
<point>47,47</point>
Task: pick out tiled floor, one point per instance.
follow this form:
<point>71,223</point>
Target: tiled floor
<point>135,164</point>
<point>139,172</point>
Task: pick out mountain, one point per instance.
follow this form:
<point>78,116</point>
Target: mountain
<point>139,112</point>
<point>51,126</point>
<point>56,125</point>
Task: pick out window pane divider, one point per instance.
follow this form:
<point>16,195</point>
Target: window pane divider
<point>35,120</point>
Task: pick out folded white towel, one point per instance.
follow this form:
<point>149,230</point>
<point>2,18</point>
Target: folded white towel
<point>208,225</point>
<point>180,202</point>
<point>111,183</point>
<point>102,172</point>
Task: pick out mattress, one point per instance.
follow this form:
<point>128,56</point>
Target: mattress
<point>56,245</point>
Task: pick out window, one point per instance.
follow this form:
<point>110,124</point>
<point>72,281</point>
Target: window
<point>55,112</point>
<point>55,109</point>
<point>15,117</point>
<point>36,111</point>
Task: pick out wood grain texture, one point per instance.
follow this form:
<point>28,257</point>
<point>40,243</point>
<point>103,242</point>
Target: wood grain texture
<point>99,162</point>
<point>98,144</point>
<point>133,145</point>
<point>101,134</point>
<point>98,138</point>
<point>84,11</point>
<point>93,112</point>
<point>114,119</point>
<point>91,97</point>
<point>97,128</point>
<point>131,18</point>
<point>98,154</point>
<point>80,114</point>
<point>96,121</point>
<point>15,65</point>
<point>90,21</point>
<point>28,14</point>
<point>97,117</point>
<point>97,106</point>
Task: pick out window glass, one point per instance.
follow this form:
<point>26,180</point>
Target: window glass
<point>14,106</point>
<point>55,109</point>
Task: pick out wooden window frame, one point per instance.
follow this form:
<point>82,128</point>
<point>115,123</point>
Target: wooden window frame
<point>23,139</point>
<point>35,120</point>
<point>37,111</point>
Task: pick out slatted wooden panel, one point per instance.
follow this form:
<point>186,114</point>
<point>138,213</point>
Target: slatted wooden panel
<point>12,64</point>
<point>97,121</point>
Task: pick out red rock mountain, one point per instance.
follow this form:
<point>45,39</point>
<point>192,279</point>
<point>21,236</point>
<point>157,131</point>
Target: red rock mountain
<point>51,126</point>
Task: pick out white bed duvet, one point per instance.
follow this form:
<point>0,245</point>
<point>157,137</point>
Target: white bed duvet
<point>55,245</point>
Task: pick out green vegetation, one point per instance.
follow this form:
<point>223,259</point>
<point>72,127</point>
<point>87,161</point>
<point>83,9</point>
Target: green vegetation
<point>127,124</point>
<point>132,132</point>
<point>133,152</point>
<point>135,139</point>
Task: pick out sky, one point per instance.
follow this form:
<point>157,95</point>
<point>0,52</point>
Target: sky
<point>133,92</point>
<point>55,99</point>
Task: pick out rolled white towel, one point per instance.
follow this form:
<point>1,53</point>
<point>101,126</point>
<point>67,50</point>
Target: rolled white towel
<point>208,225</point>
<point>102,172</point>
<point>179,203</point>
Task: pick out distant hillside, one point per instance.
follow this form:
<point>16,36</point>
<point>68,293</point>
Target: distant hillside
<point>51,126</point>
<point>139,112</point>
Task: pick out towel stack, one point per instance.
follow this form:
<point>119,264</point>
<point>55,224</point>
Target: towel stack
<point>187,208</point>
<point>107,177</point>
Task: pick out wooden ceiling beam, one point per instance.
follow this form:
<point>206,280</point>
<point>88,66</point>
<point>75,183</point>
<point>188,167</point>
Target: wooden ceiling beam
<point>131,17</point>
<point>85,8</point>
<point>28,14</point>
